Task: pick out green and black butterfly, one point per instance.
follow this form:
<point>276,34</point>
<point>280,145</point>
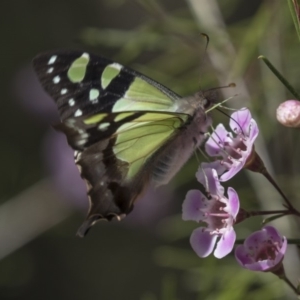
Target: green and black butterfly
<point>127,130</point>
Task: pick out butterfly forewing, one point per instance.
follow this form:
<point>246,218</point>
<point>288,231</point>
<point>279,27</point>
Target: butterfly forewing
<point>84,84</point>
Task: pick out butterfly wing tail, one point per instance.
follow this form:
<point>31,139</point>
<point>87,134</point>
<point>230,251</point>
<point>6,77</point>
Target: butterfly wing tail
<point>109,196</point>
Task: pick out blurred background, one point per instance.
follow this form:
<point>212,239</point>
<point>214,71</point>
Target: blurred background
<point>42,198</point>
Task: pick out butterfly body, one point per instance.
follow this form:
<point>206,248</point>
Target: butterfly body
<point>127,130</point>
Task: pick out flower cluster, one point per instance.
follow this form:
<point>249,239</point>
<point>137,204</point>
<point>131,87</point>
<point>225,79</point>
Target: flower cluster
<point>232,150</point>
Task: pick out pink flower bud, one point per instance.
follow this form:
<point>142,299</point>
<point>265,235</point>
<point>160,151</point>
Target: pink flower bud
<point>288,113</point>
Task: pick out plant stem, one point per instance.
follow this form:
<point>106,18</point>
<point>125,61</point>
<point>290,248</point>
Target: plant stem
<point>293,5</point>
<point>293,241</point>
<point>269,212</point>
<point>289,283</point>
<point>272,181</point>
<point>290,241</point>
<point>280,77</point>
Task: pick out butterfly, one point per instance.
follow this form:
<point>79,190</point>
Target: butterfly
<point>127,130</point>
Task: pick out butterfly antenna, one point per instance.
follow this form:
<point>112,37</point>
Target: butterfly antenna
<point>230,85</point>
<point>205,50</point>
<point>206,46</point>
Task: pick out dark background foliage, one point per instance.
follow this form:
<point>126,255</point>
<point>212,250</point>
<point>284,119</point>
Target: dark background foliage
<point>148,256</point>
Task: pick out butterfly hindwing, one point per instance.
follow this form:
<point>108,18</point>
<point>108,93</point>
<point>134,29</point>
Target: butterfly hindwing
<point>117,168</point>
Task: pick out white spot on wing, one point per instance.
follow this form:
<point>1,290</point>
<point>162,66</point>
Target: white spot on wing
<point>63,91</point>
<point>56,79</point>
<point>71,123</point>
<point>77,156</point>
<point>85,55</point>
<point>52,59</point>
<point>81,142</point>
<point>85,135</point>
<point>50,70</point>
<point>71,102</point>
<point>116,66</point>
<point>94,94</point>
<point>78,113</point>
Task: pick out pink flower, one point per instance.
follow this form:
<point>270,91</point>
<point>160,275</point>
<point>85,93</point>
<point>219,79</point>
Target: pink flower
<point>218,212</point>
<point>288,113</point>
<point>233,148</point>
<point>263,250</point>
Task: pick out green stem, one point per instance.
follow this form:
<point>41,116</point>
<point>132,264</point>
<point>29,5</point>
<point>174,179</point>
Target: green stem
<point>290,241</point>
<point>293,5</point>
<point>272,181</point>
<point>289,283</point>
<point>280,77</point>
<point>269,212</point>
<point>293,241</point>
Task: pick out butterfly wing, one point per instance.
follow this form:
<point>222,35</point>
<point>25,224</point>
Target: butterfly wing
<point>117,167</point>
<point>118,121</point>
<point>84,84</point>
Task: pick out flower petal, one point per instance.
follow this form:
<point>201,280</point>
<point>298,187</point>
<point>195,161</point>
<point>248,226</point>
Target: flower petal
<point>272,233</point>
<point>263,265</point>
<point>235,168</point>
<point>282,251</point>
<point>202,242</point>
<point>240,120</point>
<point>225,244</point>
<point>192,205</point>
<point>255,239</point>
<point>254,131</point>
<point>214,144</point>
<point>209,179</point>
<point>242,256</point>
<point>234,202</point>
<point>217,165</point>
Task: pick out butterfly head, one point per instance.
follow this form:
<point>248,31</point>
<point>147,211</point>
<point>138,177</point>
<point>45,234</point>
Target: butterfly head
<point>209,98</point>
<point>200,101</point>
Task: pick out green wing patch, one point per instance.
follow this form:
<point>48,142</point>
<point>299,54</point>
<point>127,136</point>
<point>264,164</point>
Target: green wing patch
<point>143,96</point>
<point>137,140</point>
<point>77,70</point>
<point>137,135</point>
